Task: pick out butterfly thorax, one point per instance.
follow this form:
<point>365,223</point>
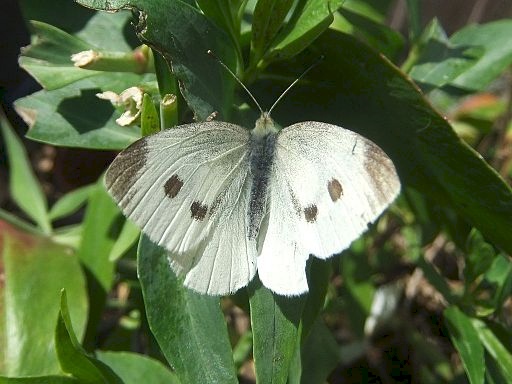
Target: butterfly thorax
<point>264,126</point>
<point>263,139</point>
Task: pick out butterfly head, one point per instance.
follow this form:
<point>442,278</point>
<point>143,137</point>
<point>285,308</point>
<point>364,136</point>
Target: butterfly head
<point>264,125</point>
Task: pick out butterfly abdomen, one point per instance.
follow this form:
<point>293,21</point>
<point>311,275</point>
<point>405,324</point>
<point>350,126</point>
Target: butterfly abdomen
<point>261,158</point>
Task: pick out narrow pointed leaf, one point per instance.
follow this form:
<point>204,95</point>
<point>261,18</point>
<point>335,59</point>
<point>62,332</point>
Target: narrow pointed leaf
<point>23,184</point>
<point>35,270</point>
<point>72,357</point>
<point>466,340</point>
<point>70,202</point>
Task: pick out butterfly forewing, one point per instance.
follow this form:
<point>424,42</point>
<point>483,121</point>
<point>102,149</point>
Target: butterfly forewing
<point>327,185</point>
<point>185,187</point>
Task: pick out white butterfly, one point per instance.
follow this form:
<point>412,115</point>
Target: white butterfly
<point>226,202</point>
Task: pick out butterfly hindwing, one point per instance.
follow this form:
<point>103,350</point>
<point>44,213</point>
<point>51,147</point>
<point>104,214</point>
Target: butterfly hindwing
<point>185,187</point>
<point>330,184</point>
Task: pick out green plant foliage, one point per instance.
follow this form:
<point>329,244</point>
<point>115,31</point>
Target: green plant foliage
<point>430,280</point>
<point>203,82</point>
<point>72,357</point>
<point>275,324</point>
<point>134,368</point>
<point>23,185</point>
<point>36,269</point>
<point>189,328</point>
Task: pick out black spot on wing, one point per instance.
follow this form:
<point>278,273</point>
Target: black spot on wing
<point>198,210</point>
<point>173,186</point>
<point>335,189</point>
<point>311,213</point>
<point>124,170</point>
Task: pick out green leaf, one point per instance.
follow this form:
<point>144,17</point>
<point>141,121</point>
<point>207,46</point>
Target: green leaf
<point>23,184</point>
<point>309,19</point>
<point>48,58</point>
<point>101,227</point>
<point>375,34</point>
<point>126,239</point>
<point>358,289</point>
<point>72,357</point>
<point>74,117</point>
<point>479,257</point>
<point>107,31</point>
<point>320,354</point>
<point>35,271</point>
<point>365,93</point>
<point>439,60</point>
<point>189,327</point>
<point>319,272</point>
<point>185,46</point>
<point>494,39</point>
<point>499,276</point>
<point>275,327</point>
<point>39,380</point>
<point>465,338</point>
<point>267,19</point>
<point>51,13</point>
<point>70,202</point>
<point>495,348</point>
<point>434,278</point>
<point>133,368</point>
<point>223,14</point>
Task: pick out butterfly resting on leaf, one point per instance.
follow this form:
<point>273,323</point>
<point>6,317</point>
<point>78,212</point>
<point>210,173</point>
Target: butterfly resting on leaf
<point>227,203</point>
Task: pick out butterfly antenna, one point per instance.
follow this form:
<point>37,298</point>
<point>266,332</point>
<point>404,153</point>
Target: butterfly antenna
<point>210,52</point>
<point>295,82</point>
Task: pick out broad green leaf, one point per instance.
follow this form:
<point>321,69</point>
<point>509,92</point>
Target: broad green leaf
<point>74,116</point>
<point>267,19</point>
<point>23,184</point>
<point>494,39</point>
<point>35,270</point>
<point>51,12</point>
<point>275,327</point>
<point>189,327</point>
<point>102,225</point>
<point>377,35</point>
<point>70,202</point>
<point>365,93</point>
<point>108,31</point>
<point>495,348</point>
<point>439,61</point>
<point>133,368</point>
<point>48,58</point>
<point>72,357</point>
<point>320,354</point>
<point>465,338</point>
<point>126,239</point>
<point>39,380</point>
<point>309,19</point>
<point>185,46</point>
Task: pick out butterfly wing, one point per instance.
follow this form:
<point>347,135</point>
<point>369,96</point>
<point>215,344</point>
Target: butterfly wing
<point>331,183</point>
<point>187,188</point>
